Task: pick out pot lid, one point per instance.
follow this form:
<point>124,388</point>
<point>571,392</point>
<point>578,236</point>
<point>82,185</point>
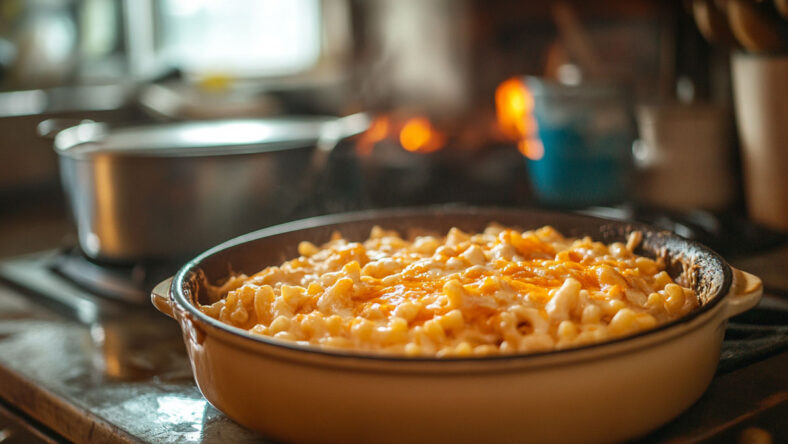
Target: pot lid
<point>204,138</point>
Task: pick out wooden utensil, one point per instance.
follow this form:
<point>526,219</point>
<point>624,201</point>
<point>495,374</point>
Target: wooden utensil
<point>754,29</point>
<point>782,7</point>
<point>712,23</point>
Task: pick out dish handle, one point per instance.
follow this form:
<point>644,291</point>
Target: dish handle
<point>746,291</point>
<point>160,297</point>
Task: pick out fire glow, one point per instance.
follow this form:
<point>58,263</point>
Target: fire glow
<point>514,106</point>
<point>531,148</point>
<point>415,134</point>
<point>377,131</point>
<point>418,135</point>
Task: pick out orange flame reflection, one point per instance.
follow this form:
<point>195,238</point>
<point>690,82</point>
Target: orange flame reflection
<point>531,148</point>
<point>377,131</point>
<point>418,135</point>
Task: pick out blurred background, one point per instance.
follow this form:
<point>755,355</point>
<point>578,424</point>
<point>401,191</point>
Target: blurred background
<point>626,107</point>
<point>136,133</point>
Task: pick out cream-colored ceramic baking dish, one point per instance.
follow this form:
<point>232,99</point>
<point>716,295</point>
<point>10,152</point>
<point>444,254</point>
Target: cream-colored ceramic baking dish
<point>606,392</point>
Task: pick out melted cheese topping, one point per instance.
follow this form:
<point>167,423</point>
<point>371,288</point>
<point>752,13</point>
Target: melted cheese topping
<point>500,291</point>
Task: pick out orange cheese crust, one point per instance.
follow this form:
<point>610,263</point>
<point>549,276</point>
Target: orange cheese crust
<point>496,292</point>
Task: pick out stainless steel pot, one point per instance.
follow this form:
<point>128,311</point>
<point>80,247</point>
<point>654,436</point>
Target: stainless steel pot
<point>605,392</point>
<point>168,191</point>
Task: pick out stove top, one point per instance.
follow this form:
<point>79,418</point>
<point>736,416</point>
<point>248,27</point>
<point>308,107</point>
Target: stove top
<point>82,353</point>
<point>81,287</point>
<point>128,283</point>
<point>84,367</point>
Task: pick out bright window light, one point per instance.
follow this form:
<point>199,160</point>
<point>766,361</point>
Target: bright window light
<point>241,37</point>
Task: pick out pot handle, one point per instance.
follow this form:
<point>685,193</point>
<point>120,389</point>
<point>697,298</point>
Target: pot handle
<point>746,291</point>
<point>160,297</point>
<point>49,128</point>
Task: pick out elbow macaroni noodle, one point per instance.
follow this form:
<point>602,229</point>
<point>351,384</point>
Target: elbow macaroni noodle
<point>501,291</point>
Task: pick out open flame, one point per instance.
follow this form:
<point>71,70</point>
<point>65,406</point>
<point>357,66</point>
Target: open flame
<point>514,107</point>
<point>415,134</point>
<point>418,135</point>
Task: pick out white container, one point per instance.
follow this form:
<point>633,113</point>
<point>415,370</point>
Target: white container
<point>760,88</point>
<point>684,156</point>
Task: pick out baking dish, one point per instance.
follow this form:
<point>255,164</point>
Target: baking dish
<point>605,392</point>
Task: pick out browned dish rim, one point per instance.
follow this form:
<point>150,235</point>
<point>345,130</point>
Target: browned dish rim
<point>716,284</point>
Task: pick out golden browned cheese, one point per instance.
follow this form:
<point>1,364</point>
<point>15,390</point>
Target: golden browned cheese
<point>501,291</point>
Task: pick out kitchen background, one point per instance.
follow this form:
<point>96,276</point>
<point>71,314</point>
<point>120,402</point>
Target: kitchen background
<point>668,112</point>
<point>567,105</point>
<point>444,84</point>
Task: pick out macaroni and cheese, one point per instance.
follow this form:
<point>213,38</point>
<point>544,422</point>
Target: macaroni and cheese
<point>501,291</point>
